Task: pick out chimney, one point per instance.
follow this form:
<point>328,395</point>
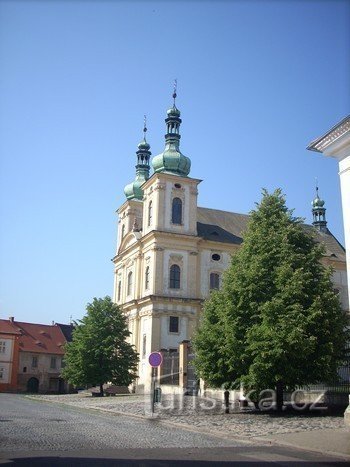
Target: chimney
<point>12,319</point>
<point>52,323</point>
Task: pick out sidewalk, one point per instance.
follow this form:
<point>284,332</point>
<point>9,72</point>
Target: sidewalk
<point>327,441</point>
<point>315,432</point>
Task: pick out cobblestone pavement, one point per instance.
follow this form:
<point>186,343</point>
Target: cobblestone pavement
<point>28,426</point>
<point>203,415</point>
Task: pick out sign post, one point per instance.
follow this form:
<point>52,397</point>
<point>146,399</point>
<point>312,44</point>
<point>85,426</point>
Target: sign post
<point>155,359</point>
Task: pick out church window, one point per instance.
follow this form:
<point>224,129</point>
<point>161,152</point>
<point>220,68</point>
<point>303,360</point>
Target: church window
<point>214,281</point>
<point>119,290</point>
<point>144,342</point>
<point>177,185</point>
<point>150,209</point>
<point>176,213</point>
<point>173,324</point>
<point>215,257</point>
<point>147,278</point>
<point>130,278</point>
<point>174,282</point>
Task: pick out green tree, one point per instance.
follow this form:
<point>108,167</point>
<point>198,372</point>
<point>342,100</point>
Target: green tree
<point>276,322</point>
<point>99,352</point>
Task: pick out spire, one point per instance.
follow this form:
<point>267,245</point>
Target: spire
<point>171,160</point>
<point>174,93</point>
<point>143,153</point>
<point>319,212</point>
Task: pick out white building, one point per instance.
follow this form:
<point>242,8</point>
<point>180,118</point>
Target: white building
<point>336,143</point>
<point>171,252</point>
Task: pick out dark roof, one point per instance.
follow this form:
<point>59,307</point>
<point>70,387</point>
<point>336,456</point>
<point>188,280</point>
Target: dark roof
<point>67,330</point>
<point>229,227</point>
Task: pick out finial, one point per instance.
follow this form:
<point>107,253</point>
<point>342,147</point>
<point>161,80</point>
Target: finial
<point>144,127</point>
<point>175,88</point>
<point>316,181</point>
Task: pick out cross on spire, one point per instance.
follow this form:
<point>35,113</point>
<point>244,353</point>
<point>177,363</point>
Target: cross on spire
<point>175,89</point>
<point>144,127</point>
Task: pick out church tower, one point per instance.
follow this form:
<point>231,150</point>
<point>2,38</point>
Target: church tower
<point>319,213</point>
<point>170,196</point>
<point>157,262</point>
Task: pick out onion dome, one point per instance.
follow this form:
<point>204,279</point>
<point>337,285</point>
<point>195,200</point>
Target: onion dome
<point>171,160</point>
<point>319,213</point>
<point>317,202</point>
<point>133,190</point>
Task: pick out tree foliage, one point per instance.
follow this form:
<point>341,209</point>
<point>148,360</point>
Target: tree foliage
<point>99,352</point>
<point>276,318</point>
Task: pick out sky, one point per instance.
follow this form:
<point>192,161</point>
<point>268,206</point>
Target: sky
<point>257,82</point>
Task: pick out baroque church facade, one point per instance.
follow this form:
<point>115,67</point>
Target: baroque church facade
<point>171,253</point>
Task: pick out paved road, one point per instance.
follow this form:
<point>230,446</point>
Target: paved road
<point>42,434</point>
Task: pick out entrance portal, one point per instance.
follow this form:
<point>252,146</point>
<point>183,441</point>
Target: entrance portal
<point>33,385</point>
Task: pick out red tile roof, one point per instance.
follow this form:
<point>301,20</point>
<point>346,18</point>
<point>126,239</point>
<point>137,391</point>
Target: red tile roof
<point>39,338</point>
<point>7,327</point>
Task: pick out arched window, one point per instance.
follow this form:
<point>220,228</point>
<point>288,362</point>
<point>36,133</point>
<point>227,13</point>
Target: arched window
<point>174,279</point>
<point>214,280</point>
<point>129,283</point>
<point>176,212</point>
<point>119,290</point>
<point>150,208</point>
<point>147,278</point>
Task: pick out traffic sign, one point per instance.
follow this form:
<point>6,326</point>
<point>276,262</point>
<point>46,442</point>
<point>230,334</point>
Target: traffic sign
<point>155,359</point>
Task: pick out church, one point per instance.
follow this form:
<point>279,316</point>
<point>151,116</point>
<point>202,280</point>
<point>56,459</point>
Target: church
<point>171,253</point>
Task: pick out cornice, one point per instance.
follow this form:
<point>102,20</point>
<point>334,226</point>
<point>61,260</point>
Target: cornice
<point>339,130</point>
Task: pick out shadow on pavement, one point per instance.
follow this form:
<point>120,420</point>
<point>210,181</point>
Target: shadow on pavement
<point>98,462</point>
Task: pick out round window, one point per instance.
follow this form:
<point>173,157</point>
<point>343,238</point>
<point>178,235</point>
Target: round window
<point>215,257</point>
<point>177,185</point>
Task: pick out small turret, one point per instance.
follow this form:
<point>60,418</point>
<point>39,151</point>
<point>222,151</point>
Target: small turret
<point>319,213</point>
<point>171,160</point>
<point>133,190</point>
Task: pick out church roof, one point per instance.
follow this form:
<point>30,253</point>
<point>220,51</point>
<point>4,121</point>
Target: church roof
<point>228,227</point>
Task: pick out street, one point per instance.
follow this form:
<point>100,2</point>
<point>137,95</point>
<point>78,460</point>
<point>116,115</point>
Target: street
<point>42,434</point>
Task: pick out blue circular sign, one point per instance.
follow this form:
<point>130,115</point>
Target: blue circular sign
<point>155,359</point>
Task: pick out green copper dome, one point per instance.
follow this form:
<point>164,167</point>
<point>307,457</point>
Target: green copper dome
<point>171,160</point>
<point>317,202</point>
<point>133,190</point>
<point>319,213</point>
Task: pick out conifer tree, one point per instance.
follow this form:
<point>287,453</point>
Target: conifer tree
<point>99,352</point>
<point>276,322</point>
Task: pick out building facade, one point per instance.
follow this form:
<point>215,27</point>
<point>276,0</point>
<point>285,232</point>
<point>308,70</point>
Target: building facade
<point>171,253</point>
<point>336,143</point>
<point>31,356</point>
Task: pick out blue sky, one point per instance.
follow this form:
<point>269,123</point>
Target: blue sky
<point>257,81</point>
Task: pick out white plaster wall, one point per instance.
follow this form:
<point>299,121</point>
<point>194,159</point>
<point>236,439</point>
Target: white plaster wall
<point>148,260</point>
<point>344,172</point>
<point>208,265</point>
<point>170,339</point>
<point>5,372</point>
<point>145,368</point>
<point>340,150</point>
<point>183,263</point>
<point>7,355</point>
<point>184,194</point>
